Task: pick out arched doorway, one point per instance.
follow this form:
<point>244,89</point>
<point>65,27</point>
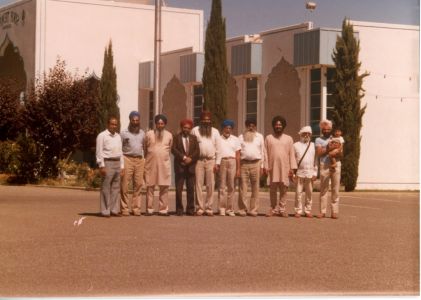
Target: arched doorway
<point>11,64</point>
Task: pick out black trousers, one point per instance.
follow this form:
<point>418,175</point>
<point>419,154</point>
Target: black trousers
<point>179,184</point>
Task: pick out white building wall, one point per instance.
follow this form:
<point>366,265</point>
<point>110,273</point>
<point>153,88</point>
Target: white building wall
<point>390,134</point>
<point>78,32</point>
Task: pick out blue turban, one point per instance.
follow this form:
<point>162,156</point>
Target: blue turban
<point>134,114</point>
<point>160,117</point>
<point>227,123</point>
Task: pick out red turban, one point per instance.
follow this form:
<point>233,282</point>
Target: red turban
<point>205,114</point>
<point>186,121</point>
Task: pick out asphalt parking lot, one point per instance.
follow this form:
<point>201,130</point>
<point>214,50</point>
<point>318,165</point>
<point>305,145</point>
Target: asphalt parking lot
<point>372,249</point>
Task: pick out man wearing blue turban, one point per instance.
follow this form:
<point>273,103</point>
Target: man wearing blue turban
<point>132,138</point>
<point>228,166</point>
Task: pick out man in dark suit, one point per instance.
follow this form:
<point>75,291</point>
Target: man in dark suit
<point>186,153</point>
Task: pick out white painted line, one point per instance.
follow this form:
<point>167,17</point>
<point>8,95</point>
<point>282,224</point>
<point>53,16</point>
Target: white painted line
<point>369,198</point>
<point>357,206</point>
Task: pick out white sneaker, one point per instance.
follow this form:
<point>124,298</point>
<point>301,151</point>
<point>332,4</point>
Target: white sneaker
<point>231,213</point>
<point>222,212</point>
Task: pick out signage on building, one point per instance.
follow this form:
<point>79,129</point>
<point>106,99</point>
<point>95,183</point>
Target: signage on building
<point>10,18</point>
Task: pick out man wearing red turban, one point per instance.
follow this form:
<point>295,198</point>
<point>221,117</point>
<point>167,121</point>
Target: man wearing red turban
<point>208,138</point>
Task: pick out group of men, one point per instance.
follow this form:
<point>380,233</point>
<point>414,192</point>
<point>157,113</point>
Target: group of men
<point>202,154</point>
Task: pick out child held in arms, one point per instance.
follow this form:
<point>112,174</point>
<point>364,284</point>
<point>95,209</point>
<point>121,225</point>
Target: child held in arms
<point>336,142</point>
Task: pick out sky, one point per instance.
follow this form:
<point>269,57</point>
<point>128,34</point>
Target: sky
<point>254,16</point>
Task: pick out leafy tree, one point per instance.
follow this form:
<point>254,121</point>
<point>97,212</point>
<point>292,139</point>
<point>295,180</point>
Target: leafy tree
<point>215,73</point>
<point>347,112</point>
<point>61,116</point>
<point>108,89</point>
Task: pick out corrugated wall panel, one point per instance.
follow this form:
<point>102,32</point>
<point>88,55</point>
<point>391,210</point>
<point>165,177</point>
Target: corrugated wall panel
<point>306,48</point>
<point>315,47</point>
<point>191,67</point>
<point>246,59</point>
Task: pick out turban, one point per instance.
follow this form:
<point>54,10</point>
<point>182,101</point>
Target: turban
<point>205,114</point>
<point>134,114</point>
<point>186,121</point>
<point>161,117</point>
<point>251,121</point>
<point>305,129</point>
<point>281,119</point>
<point>227,123</point>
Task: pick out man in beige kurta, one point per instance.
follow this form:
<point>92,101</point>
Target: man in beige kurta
<point>279,162</point>
<point>158,145</point>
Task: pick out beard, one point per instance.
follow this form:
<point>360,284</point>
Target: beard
<point>249,136</point>
<point>134,128</point>
<point>205,130</point>
<point>159,135</point>
<point>305,140</point>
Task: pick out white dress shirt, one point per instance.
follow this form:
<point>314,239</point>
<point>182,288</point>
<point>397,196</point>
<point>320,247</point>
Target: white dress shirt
<point>227,147</point>
<point>253,150</point>
<point>308,167</point>
<point>207,145</point>
<point>108,146</point>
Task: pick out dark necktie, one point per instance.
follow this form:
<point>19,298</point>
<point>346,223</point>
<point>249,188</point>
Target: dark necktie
<point>187,145</point>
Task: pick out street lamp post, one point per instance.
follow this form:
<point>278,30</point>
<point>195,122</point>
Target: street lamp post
<point>157,57</point>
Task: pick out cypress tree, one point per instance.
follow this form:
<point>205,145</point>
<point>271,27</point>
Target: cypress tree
<point>347,112</point>
<point>108,89</point>
<point>215,73</point>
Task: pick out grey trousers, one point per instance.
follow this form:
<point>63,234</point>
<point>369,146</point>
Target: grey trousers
<point>335,179</point>
<point>110,189</point>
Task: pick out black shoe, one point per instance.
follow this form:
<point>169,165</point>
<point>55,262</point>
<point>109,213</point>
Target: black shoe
<point>180,213</point>
<point>115,215</point>
<point>164,214</point>
<point>148,214</point>
<point>190,213</point>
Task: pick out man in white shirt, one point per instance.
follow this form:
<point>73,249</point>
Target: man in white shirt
<point>252,154</point>
<point>228,166</point>
<point>208,138</point>
<point>109,157</point>
<point>305,155</point>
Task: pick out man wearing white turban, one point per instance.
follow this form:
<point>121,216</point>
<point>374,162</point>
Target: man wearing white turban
<point>305,155</point>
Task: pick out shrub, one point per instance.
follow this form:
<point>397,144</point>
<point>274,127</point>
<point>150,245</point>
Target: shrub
<point>7,150</point>
<point>78,174</point>
<point>22,159</point>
